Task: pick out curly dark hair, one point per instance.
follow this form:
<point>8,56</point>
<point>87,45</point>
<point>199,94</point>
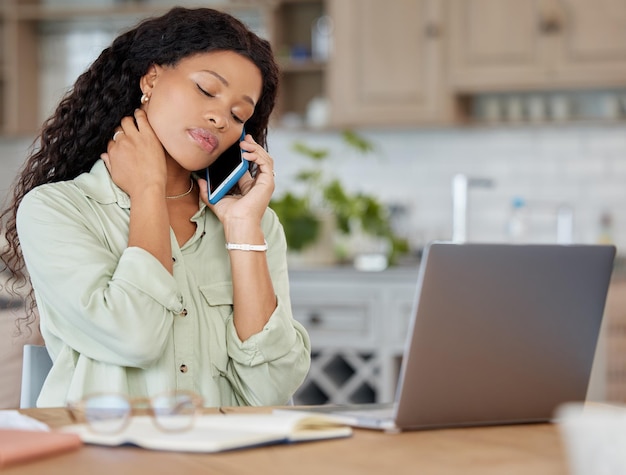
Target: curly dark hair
<point>72,139</point>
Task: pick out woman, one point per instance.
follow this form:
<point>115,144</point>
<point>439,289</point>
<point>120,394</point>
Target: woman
<point>135,288</point>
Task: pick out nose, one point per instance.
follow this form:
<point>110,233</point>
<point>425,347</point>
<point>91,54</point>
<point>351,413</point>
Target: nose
<point>218,120</point>
<point>218,123</point>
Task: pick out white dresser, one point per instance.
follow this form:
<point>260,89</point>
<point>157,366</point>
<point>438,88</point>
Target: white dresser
<point>357,322</point>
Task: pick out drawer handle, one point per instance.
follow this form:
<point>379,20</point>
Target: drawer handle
<point>315,319</point>
<point>432,30</point>
<point>550,25</point>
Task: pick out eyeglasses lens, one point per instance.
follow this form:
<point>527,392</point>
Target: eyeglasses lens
<point>174,412</point>
<point>107,414</point>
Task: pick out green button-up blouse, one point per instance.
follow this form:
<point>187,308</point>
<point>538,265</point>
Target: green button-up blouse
<point>114,319</point>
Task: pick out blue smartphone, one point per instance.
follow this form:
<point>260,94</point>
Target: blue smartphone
<point>225,172</point>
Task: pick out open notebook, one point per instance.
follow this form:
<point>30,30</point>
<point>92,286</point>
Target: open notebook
<point>218,432</point>
<point>500,334</point>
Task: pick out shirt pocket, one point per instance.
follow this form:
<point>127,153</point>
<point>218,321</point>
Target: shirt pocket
<point>219,297</point>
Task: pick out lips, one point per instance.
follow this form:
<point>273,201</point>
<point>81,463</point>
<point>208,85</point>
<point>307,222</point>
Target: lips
<point>205,139</point>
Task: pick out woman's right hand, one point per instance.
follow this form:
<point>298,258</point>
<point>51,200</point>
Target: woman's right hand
<point>135,157</point>
<point>136,162</point>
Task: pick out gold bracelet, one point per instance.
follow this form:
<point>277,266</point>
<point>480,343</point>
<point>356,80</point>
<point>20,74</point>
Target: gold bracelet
<point>246,247</point>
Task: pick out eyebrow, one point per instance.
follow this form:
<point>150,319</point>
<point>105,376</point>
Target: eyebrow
<point>223,80</point>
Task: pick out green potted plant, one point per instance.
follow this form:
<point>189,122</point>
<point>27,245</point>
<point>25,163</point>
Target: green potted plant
<point>305,216</point>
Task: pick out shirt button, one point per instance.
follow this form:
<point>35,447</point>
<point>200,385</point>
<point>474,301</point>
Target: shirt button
<point>183,368</point>
<point>183,313</point>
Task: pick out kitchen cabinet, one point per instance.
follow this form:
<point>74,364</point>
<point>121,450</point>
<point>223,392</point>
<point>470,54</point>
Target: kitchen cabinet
<point>536,44</point>
<point>387,63</point>
<point>357,323</point>
<point>18,69</point>
<point>385,66</point>
<point>303,69</point>
<point>593,43</point>
<point>411,65</point>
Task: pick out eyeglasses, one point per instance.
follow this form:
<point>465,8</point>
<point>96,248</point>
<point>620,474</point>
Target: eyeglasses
<point>110,413</point>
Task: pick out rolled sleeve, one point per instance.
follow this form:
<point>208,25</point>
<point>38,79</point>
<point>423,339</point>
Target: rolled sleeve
<point>135,264</point>
<point>277,339</point>
<point>112,305</point>
<point>269,366</point>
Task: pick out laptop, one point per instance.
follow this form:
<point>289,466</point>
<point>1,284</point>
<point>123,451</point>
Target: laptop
<point>499,334</point>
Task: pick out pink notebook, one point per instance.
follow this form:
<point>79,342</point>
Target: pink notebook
<point>25,445</point>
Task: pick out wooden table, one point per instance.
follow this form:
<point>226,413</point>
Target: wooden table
<point>515,449</point>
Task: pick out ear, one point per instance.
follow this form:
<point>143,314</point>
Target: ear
<point>146,83</point>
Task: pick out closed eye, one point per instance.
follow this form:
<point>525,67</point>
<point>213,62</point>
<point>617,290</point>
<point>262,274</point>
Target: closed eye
<point>206,93</point>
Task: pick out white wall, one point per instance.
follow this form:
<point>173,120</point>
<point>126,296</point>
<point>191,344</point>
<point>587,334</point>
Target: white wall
<point>581,166</point>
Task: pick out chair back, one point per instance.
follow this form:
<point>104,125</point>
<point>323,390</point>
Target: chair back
<point>36,365</point>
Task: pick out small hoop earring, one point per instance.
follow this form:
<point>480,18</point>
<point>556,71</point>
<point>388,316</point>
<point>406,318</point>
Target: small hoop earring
<point>145,98</point>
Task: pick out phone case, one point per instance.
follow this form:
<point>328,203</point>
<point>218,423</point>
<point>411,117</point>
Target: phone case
<point>231,180</point>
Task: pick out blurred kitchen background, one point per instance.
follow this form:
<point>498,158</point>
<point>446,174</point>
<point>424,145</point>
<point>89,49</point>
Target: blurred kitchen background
<point>488,120</point>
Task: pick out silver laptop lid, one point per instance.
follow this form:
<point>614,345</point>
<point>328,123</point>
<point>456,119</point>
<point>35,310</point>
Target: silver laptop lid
<point>501,333</point>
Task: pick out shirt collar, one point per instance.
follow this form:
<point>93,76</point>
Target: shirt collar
<point>98,185</point>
